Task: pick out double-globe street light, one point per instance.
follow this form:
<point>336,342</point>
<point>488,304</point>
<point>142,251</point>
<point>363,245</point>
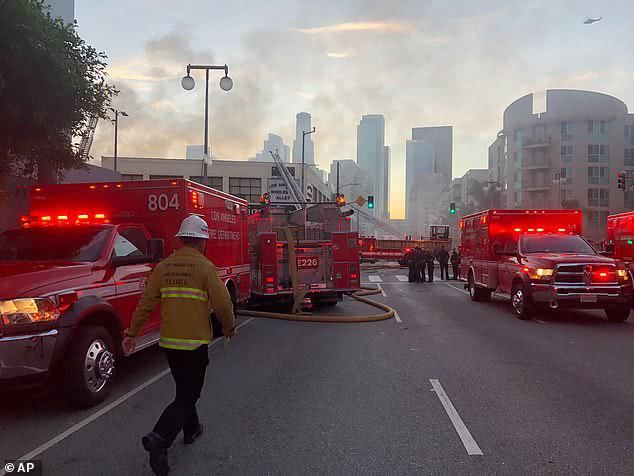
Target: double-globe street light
<point>188,83</point>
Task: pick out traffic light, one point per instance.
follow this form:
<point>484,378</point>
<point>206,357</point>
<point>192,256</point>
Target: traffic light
<point>621,181</point>
<point>370,201</point>
<point>452,208</point>
<point>341,200</point>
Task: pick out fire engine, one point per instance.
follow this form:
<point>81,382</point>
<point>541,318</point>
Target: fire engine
<point>373,249</point>
<point>71,276</point>
<point>313,246</point>
<point>539,259</point>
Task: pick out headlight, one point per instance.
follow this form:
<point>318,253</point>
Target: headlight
<point>541,273</point>
<point>28,311</point>
<point>623,275</point>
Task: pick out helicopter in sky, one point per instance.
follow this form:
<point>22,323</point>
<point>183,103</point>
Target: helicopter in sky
<point>589,21</point>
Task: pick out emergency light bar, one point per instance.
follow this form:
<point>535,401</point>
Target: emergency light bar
<point>82,218</point>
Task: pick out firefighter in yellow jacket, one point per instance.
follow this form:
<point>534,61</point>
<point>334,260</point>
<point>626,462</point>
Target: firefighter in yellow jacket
<point>188,288</point>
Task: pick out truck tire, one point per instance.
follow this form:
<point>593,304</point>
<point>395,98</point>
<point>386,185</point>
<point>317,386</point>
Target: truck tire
<point>521,302</point>
<point>477,294</point>
<point>90,366</point>
<point>617,314</point>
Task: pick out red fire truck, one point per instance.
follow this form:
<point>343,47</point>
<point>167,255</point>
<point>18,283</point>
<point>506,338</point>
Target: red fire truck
<point>539,258</point>
<point>326,253</point>
<point>373,249</point>
<point>620,238</point>
<point>71,276</point>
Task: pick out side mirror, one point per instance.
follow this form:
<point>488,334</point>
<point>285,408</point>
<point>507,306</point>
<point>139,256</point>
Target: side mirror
<point>117,261</point>
<point>156,248</point>
<point>608,253</point>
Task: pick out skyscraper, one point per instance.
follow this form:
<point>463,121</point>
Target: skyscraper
<point>371,157</point>
<point>271,144</point>
<point>303,123</point>
<point>442,139</point>
<point>387,159</point>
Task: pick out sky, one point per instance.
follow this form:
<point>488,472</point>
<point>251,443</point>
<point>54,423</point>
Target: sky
<point>419,63</point>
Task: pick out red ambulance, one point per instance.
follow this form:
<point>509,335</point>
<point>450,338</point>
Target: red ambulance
<point>71,276</point>
<point>539,259</point>
<point>620,238</point>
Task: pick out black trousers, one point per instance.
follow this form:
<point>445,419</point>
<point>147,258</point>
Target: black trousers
<point>413,277</point>
<point>430,272</point>
<point>188,370</point>
<point>420,272</point>
<point>456,271</point>
<point>444,270</point>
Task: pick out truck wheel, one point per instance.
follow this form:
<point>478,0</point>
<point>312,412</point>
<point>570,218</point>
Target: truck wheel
<point>90,366</point>
<point>477,294</point>
<point>521,302</point>
<point>617,314</point>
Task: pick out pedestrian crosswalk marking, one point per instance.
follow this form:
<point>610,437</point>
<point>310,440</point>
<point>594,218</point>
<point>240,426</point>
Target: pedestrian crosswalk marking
<point>401,277</point>
<point>375,278</point>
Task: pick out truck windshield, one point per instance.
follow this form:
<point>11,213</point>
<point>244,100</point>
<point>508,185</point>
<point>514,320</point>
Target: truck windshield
<point>81,243</point>
<point>555,244</point>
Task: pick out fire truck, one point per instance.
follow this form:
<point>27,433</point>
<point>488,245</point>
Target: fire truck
<point>620,238</point>
<point>373,249</point>
<point>302,253</point>
<point>539,259</point>
<point>71,276</point>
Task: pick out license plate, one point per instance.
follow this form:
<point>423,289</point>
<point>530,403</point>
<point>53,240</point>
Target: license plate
<point>307,262</point>
<point>588,298</point>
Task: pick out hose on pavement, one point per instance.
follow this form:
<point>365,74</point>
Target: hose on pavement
<point>358,295</point>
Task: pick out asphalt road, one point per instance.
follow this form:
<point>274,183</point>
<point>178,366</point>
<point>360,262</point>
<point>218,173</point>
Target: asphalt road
<point>455,387</point>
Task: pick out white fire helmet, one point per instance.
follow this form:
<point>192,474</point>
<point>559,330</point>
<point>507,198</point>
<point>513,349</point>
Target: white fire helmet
<point>194,227</point>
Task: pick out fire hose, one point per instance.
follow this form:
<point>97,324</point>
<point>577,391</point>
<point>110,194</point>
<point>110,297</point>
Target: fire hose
<point>358,295</point>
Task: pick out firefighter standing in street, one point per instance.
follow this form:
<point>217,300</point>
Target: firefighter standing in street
<point>188,288</point>
<point>443,260</point>
<point>455,264</point>
<point>429,260</point>
<point>410,261</point>
<point>420,265</point>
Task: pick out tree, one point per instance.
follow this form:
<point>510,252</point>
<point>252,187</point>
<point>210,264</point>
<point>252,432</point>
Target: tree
<point>51,83</point>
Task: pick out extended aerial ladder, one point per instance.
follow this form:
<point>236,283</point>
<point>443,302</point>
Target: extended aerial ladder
<point>86,139</point>
<point>294,190</point>
<point>377,222</point>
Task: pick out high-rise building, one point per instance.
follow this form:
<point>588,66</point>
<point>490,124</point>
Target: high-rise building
<point>371,157</point>
<point>566,154</point>
<point>273,143</point>
<point>387,159</point>
<point>64,9</point>
<point>303,124</point>
<point>428,159</point>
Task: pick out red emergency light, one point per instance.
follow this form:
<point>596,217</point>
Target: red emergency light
<point>82,218</point>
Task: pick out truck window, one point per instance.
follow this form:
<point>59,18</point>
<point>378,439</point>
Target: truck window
<point>81,243</point>
<point>130,242</point>
<point>555,244</point>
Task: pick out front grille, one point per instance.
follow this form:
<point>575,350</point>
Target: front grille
<point>586,274</point>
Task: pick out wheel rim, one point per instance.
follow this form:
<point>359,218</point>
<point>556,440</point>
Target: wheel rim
<point>98,365</point>
<point>518,301</point>
<point>471,286</point>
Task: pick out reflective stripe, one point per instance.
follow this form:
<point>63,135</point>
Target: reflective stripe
<point>181,344</point>
<point>184,293</point>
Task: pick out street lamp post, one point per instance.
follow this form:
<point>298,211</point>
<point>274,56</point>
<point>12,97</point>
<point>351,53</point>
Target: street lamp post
<point>188,83</point>
<point>116,133</point>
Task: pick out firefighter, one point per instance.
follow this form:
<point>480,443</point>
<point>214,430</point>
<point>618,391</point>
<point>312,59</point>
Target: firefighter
<point>420,265</point>
<point>410,261</point>
<point>429,261</point>
<point>188,288</point>
<point>455,264</point>
<point>443,260</point>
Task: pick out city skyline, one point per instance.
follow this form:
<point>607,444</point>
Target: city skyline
<point>458,63</point>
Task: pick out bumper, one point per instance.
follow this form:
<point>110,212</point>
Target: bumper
<point>581,297</point>
<point>27,360</point>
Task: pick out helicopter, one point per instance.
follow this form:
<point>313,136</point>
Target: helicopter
<point>589,21</point>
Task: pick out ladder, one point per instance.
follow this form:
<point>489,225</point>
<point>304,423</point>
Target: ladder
<point>87,137</point>
<point>377,222</point>
<point>293,189</point>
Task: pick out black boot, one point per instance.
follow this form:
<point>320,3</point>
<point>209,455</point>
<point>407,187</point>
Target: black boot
<point>155,445</point>
<point>189,438</point>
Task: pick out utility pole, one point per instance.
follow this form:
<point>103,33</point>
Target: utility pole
<point>338,163</point>
<point>116,133</point>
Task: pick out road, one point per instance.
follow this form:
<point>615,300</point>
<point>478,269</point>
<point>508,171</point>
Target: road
<point>455,387</point>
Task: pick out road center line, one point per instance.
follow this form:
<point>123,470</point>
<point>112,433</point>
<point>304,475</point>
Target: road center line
<point>78,426</point>
<point>467,440</point>
<point>380,288</point>
<point>457,289</point>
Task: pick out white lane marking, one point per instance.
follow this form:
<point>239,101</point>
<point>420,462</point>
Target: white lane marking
<point>375,278</point>
<point>380,288</point>
<point>457,289</point>
<point>73,429</point>
<point>463,432</point>
<point>402,278</point>
<point>540,321</point>
<point>397,317</point>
